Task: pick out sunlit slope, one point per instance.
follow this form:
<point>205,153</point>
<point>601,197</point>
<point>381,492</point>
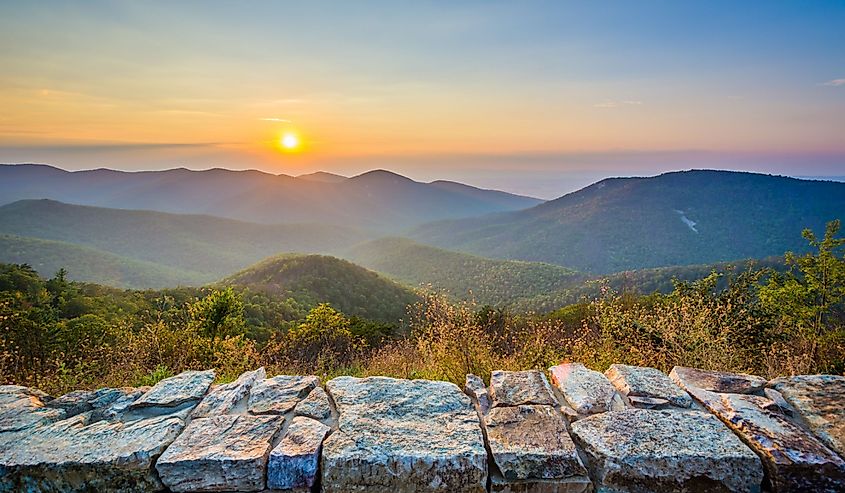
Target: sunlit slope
<point>350,288</point>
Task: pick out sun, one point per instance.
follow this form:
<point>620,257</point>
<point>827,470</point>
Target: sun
<point>289,141</point>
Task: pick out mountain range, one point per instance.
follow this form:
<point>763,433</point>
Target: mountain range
<point>190,249</point>
<point>645,229</point>
<point>679,218</point>
<point>377,200</point>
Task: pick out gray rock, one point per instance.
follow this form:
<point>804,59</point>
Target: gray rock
<point>70,455</point>
<point>398,436</point>
<point>477,391</point>
<point>74,403</point>
<point>315,406</point>
<point>586,391</point>
<point>112,405</point>
<point>638,450</point>
<point>782,406</point>
<point>641,381</point>
<point>717,381</point>
<point>531,442</point>
<point>22,408</point>
<point>280,394</point>
<point>293,463</point>
<point>188,386</point>
<point>795,460</point>
<point>224,398</point>
<point>820,402</point>
<point>513,388</point>
<point>220,453</point>
<point>649,403</point>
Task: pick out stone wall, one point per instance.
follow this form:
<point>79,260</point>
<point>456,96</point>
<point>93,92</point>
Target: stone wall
<point>631,429</point>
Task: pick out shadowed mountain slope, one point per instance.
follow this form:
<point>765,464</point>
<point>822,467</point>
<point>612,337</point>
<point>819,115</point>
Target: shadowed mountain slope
<point>692,217</point>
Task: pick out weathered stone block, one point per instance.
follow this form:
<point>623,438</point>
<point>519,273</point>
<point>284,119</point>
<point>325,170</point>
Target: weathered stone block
<point>220,453</point>
<point>22,408</point>
<point>72,456</point>
<point>819,400</point>
<point>650,383</point>
<point>717,381</point>
<point>477,391</point>
<point>532,442</point>
<point>795,460</point>
<point>514,388</point>
<point>293,463</point>
<point>186,387</point>
<point>398,436</point>
<point>586,391</point>
<point>638,450</point>
<point>223,398</point>
<point>315,406</point>
<point>280,394</point>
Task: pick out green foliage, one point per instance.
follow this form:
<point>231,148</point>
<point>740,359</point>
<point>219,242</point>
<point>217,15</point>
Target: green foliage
<point>322,342</point>
<point>317,279</point>
<point>460,275</point>
<point>219,314</point>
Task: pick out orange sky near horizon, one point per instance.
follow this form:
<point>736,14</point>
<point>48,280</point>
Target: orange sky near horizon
<point>205,84</point>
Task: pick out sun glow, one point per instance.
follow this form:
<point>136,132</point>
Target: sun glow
<point>289,141</point>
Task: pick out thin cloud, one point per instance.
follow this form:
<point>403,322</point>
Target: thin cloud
<point>834,83</point>
<point>278,120</point>
<point>615,104</point>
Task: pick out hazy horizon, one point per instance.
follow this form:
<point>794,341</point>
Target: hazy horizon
<point>534,98</point>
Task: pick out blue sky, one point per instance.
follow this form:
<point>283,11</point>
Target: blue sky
<point>534,97</point>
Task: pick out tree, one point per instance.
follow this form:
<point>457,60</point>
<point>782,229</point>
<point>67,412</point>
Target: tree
<point>324,338</point>
<point>813,288</point>
<point>218,315</point>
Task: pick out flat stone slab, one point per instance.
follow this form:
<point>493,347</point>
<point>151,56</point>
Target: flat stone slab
<point>795,459</point>
<point>280,394</point>
<point>294,462</point>
<point>514,388</point>
<point>397,436</point>
<point>188,386</point>
<point>820,402</point>
<point>223,399</point>
<point>637,450</point>
<point>531,442</point>
<point>22,408</point>
<point>72,455</point>
<point>220,453</point>
<point>717,381</point>
<point>477,391</point>
<point>645,382</point>
<point>315,406</point>
<point>586,391</point>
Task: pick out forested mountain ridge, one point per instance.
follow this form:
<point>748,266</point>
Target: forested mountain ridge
<point>88,264</point>
<point>377,200</point>
<point>203,248</point>
<point>349,288</point>
<point>691,217</point>
<point>460,275</point>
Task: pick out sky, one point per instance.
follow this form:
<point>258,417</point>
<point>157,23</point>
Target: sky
<point>532,97</point>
